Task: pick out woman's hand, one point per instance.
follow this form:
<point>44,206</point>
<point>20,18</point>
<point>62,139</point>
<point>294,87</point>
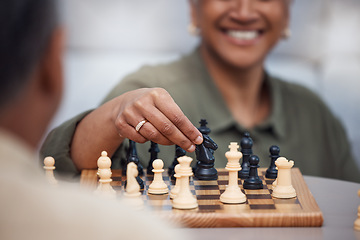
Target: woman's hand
<point>151,114</point>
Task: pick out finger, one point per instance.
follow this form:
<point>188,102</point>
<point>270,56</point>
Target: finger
<point>151,133</point>
<point>173,112</point>
<point>167,129</point>
<point>126,130</point>
<point>133,118</point>
<point>130,133</point>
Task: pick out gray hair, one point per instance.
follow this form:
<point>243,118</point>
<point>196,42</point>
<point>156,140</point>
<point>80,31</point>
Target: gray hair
<point>25,30</point>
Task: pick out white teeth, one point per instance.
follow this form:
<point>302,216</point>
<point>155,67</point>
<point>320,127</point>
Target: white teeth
<point>243,35</point>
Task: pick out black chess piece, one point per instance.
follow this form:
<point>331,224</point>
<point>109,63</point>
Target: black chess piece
<point>179,152</point>
<point>203,127</point>
<point>253,181</point>
<point>132,156</point>
<point>271,172</point>
<point>246,144</point>
<point>154,150</point>
<point>205,169</point>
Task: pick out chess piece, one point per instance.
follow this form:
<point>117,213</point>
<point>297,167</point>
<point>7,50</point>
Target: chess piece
<point>357,221</point>
<point>158,185</point>
<point>284,188</point>
<point>274,183</point>
<point>233,193</point>
<point>132,191</point>
<point>205,169</point>
<point>132,156</point>
<point>104,172</point>
<point>203,127</point>
<point>179,152</point>
<point>253,181</point>
<point>154,150</point>
<point>246,150</point>
<point>175,190</point>
<point>49,166</point>
<point>132,187</point>
<point>185,199</point>
<point>271,172</point>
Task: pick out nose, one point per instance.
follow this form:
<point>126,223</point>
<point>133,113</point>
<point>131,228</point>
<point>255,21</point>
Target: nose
<point>244,11</point>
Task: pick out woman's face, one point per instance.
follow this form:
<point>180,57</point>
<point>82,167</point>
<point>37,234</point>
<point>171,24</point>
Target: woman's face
<point>240,32</point>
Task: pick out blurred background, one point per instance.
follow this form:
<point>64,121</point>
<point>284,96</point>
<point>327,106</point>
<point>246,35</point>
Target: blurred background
<point>110,38</point>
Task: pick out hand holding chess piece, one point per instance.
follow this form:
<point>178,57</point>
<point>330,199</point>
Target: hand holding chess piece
<point>49,166</point>
<point>284,188</point>
<point>233,193</point>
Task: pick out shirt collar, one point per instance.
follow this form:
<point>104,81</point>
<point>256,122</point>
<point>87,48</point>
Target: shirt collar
<point>222,119</point>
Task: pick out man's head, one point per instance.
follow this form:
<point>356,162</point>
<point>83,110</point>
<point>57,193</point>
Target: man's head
<point>31,71</point>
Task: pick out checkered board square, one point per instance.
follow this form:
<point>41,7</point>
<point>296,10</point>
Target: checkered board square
<point>260,209</point>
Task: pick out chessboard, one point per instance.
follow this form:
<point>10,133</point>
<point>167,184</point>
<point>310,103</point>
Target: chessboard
<point>260,209</point>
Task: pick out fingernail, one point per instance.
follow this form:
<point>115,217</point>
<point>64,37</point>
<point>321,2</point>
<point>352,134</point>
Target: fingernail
<point>191,148</point>
<point>198,140</point>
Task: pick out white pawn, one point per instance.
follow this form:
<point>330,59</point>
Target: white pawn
<point>49,167</point>
<point>233,193</point>
<point>176,188</point>
<point>185,199</point>
<point>104,171</point>
<point>284,188</point>
<point>158,185</point>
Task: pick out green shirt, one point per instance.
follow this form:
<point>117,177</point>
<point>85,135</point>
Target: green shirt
<point>299,122</point>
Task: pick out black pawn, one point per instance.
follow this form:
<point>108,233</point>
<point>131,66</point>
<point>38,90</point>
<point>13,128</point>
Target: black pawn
<point>133,157</point>
<point>179,152</point>
<point>253,181</point>
<point>154,150</point>
<point>271,172</point>
<point>246,144</point>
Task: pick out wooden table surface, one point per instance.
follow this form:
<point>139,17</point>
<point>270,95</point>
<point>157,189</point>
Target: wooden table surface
<point>338,200</point>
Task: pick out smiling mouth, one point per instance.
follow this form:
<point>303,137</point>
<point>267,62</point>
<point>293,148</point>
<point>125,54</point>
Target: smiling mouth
<point>243,34</point>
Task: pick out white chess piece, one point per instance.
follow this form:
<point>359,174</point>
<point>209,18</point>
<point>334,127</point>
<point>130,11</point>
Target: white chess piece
<point>274,183</point>
<point>104,171</point>
<point>233,193</point>
<point>158,185</point>
<point>49,167</point>
<point>132,186</point>
<point>185,199</point>
<point>357,221</point>
<point>176,188</point>
<point>132,192</point>
<point>284,188</point>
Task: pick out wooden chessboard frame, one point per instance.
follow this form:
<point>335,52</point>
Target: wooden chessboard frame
<point>260,209</point>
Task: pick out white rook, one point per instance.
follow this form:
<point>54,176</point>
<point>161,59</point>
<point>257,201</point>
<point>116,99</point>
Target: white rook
<point>284,188</point>
<point>184,199</point>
